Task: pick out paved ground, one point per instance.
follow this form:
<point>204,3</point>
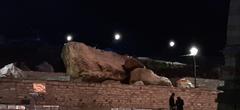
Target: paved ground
<point>56,107</point>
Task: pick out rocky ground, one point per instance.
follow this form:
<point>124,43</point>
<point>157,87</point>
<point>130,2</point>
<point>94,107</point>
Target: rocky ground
<point>210,84</point>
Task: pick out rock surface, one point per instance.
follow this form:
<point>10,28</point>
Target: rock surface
<point>45,67</point>
<point>92,64</point>
<point>138,83</point>
<point>11,71</point>
<point>184,83</point>
<point>111,82</point>
<point>131,64</point>
<point>211,84</point>
<point>148,77</point>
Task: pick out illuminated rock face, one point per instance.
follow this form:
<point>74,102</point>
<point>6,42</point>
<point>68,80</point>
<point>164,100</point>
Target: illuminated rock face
<point>131,64</point>
<point>92,64</point>
<point>11,71</point>
<point>184,83</point>
<point>148,77</point>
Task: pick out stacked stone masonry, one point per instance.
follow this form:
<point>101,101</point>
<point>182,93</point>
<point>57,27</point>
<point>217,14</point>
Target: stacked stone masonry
<point>75,96</point>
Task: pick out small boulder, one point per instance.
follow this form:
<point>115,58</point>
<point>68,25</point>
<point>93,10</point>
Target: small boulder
<point>138,83</point>
<point>45,67</point>
<point>148,77</point>
<point>11,71</point>
<point>184,83</point>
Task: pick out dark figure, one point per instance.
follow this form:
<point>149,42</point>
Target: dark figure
<point>25,101</point>
<point>179,103</point>
<point>172,102</point>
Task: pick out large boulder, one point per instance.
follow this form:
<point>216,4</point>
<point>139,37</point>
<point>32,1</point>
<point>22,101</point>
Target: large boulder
<point>92,64</point>
<point>148,77</point>
<point>131,64</point>
<point>184,83</point>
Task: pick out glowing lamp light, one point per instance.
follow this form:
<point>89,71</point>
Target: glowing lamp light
<point>39,87</point>
<point>69,38</point>
<point>193,51</point>
<point>117,37</point>
<point>171,43</point>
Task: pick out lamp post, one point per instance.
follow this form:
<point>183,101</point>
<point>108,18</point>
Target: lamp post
<point>193,53</point>
<point>171,45</point>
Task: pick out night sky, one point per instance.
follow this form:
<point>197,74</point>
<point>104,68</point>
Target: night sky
<point>145,26</point>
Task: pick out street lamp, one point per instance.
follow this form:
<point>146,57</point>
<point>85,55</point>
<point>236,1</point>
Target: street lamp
<point>69,38</point>
<point>171,43</point>
<point>193,53</point>
<point>117,37</point>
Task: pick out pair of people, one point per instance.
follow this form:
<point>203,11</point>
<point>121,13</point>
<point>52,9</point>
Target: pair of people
<point>175,106</point>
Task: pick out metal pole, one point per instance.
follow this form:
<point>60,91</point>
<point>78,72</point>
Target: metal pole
<point>171,58</point>
<point>195,72</point>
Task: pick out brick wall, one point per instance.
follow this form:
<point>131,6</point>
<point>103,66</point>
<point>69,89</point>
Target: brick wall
<point>73,95</point>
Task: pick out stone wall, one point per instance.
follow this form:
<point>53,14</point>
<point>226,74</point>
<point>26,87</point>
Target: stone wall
<point>73,95</point>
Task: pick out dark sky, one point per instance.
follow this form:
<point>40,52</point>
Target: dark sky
<point>146,26</point>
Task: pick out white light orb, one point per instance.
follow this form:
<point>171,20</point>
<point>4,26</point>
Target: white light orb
<point>69,38</point>
<point>171,43</point>
<point>117,36</point>
<point>193,51</point>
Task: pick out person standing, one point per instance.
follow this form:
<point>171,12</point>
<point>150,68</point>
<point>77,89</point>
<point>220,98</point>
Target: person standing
<point>179,103</point>
<point>172,102</point>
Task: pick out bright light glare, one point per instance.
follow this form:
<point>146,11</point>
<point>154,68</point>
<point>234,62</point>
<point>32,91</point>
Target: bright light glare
<point>69,38</point>
<point>171,43</point>
<point>193,51</point>
<point>117,37</point>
